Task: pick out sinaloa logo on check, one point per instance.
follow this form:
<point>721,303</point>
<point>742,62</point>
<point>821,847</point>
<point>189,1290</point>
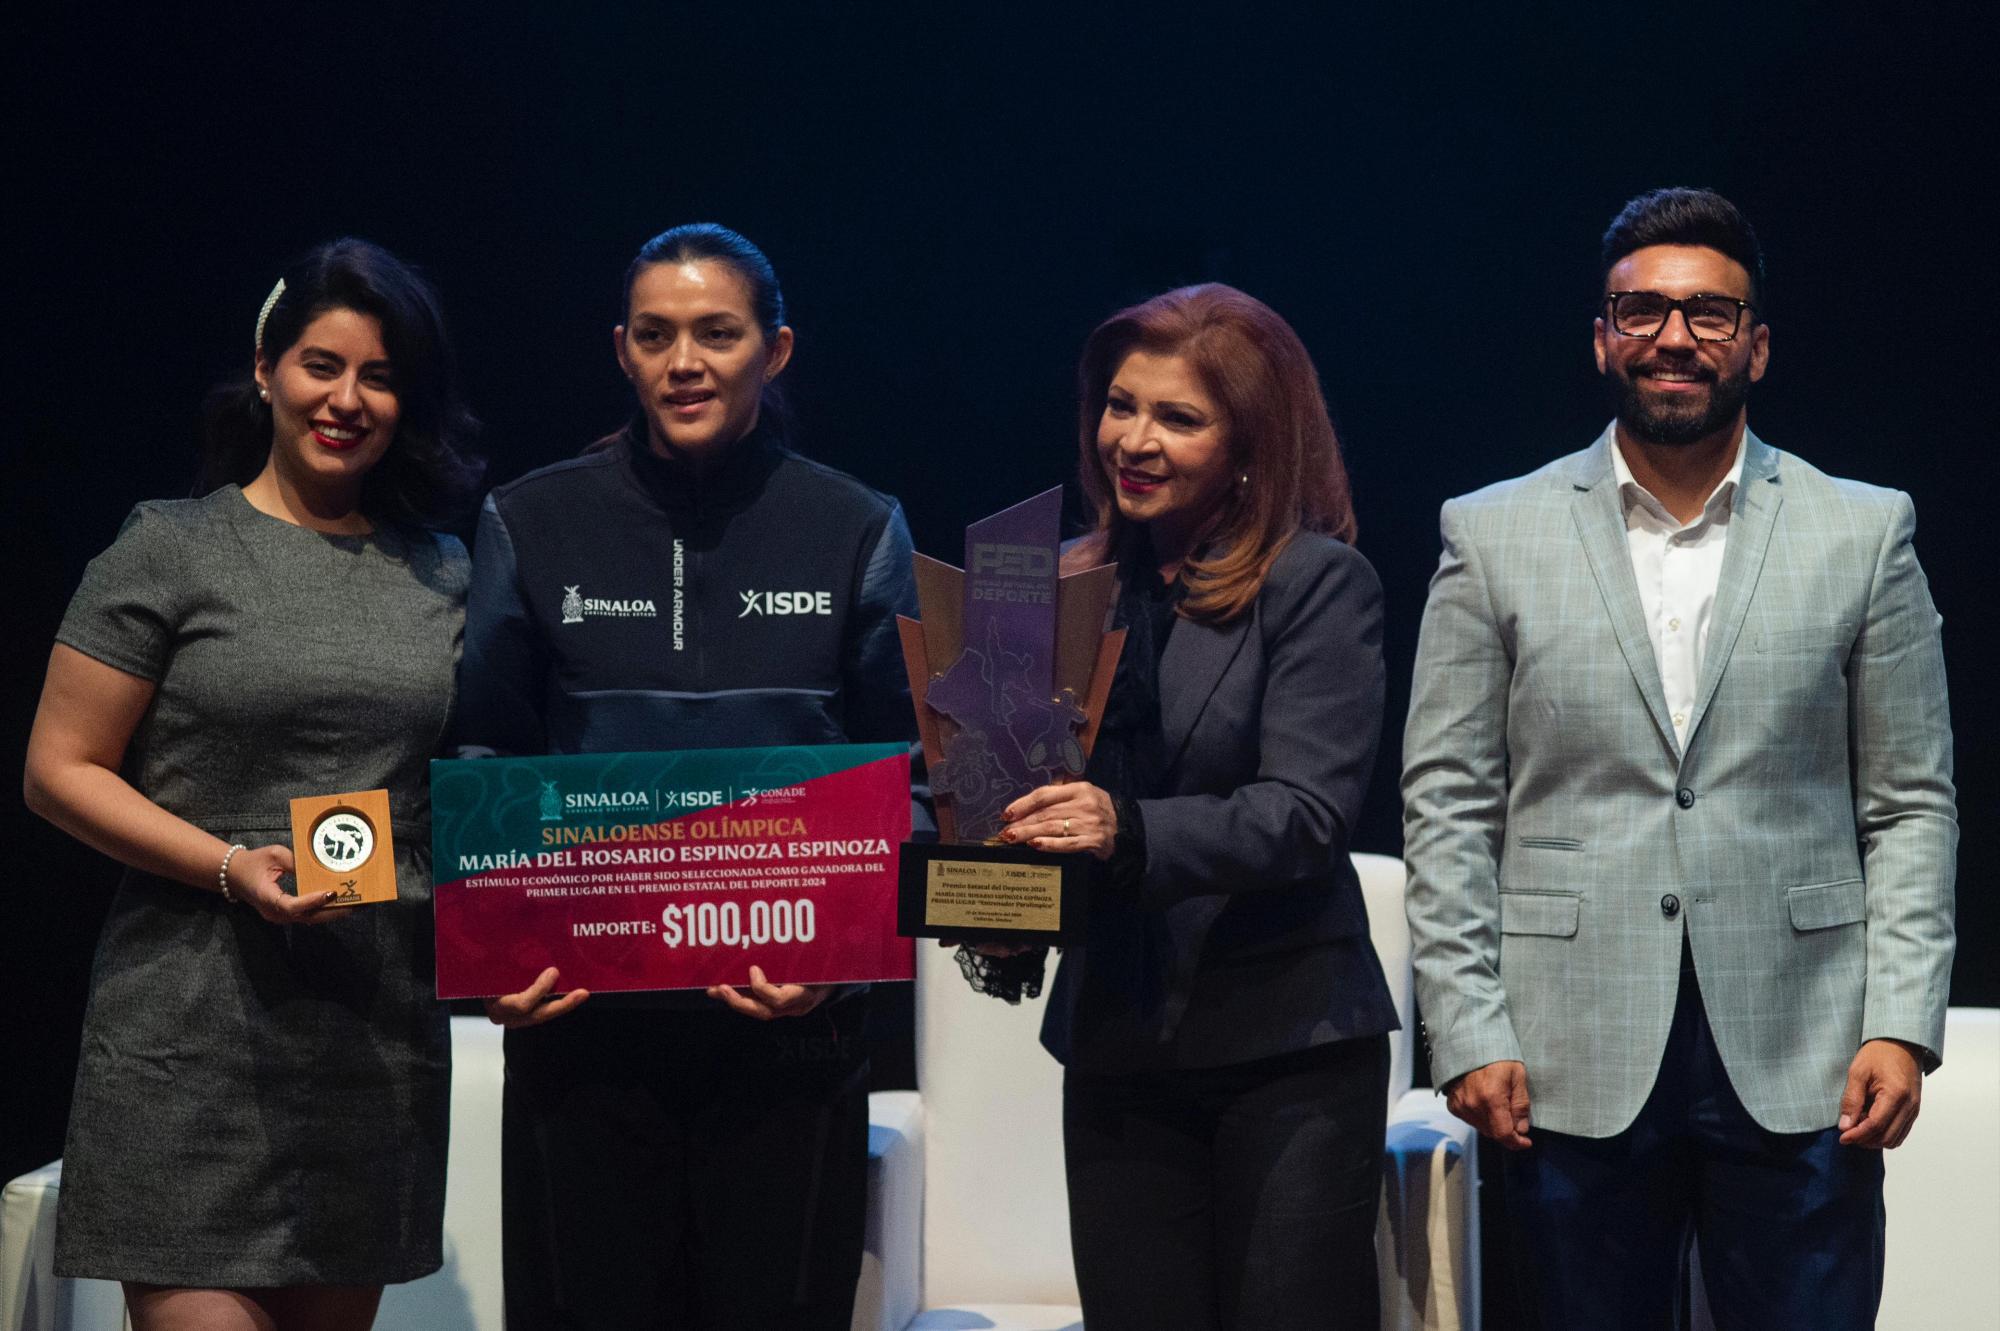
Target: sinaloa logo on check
<point>555,804</point>
<point>576,607</point>
<point>608,801</point>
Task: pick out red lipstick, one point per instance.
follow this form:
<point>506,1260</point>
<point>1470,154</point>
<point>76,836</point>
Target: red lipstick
<point>348,436</point>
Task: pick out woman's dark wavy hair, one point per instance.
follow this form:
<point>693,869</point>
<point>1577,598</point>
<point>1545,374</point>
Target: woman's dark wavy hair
<point>1280,437</point>
<point>430,475</point>
<point>696,242</point>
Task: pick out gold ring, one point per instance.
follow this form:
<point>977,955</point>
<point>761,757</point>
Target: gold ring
<point>1065,827</point>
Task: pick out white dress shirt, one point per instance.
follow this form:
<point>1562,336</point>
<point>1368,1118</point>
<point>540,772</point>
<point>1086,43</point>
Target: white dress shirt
<point>1678,566</point>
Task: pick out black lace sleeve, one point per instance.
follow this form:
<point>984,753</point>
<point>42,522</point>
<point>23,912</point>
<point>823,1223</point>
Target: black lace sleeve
<point>1007,978</point>
<point>1126,869</point>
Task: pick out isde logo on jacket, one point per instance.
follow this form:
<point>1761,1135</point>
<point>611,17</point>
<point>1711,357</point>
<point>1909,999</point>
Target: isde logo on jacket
<point>785,603</point>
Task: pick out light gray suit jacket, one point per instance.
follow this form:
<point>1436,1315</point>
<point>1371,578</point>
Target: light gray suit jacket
<point>1807,830</point>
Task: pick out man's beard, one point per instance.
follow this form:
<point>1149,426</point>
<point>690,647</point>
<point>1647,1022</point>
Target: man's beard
<point>1658,420</point>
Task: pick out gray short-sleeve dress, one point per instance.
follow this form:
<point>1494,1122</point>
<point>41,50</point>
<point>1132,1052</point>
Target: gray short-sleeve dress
<point>259,1105</point>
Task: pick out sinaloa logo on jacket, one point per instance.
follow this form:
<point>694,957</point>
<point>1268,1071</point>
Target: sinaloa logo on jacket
<point>785,603</point>
<point>576,607</point>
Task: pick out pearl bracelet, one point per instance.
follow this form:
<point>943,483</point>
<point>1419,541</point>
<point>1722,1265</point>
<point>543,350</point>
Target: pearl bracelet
<point>222,874</point>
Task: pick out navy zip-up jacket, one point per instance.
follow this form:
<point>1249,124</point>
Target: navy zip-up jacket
<point>619,603</point>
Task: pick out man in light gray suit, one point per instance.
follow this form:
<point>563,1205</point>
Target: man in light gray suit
<point>1680,828</point>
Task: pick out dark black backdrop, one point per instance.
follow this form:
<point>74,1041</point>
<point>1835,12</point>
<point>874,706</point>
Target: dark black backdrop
<point>954,196</point>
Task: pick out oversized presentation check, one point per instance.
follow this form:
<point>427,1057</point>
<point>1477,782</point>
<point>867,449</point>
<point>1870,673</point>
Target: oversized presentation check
<point>669,870</point>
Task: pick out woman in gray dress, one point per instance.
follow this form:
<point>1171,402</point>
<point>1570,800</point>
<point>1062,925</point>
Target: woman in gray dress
<point>258,1133</point>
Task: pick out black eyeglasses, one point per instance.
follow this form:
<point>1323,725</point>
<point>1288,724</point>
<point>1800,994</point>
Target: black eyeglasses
<point>1645,314</point>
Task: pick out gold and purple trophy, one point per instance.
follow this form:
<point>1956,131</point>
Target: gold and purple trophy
<point>1009,669</point>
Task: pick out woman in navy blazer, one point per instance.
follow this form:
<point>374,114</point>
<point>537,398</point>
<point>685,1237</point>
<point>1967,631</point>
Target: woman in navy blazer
<point>1224,1028</point>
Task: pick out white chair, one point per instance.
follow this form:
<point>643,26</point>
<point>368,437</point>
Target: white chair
<point>465,1295</point>
<point>32,1297</point>
<point>1942,1190</point>
<point>983,1149</point>
<point>995,1222</point>
<point>1427,1231</point>
<point>890,1291</point>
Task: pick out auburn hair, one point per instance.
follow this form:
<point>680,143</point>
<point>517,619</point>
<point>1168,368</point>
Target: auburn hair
<point>1279,437</point>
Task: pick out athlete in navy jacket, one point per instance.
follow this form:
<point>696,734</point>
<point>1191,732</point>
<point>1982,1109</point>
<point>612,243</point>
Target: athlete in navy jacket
<point>687,1159</point>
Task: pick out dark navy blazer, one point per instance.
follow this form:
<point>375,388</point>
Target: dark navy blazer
<point>1247,935</point>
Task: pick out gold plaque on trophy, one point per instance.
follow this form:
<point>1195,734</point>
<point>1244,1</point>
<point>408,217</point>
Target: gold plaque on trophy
<point>341,844</point>
<point>981,895</point>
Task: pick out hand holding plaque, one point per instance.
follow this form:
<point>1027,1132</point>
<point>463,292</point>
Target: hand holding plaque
<point>342,845</point>
<point>1009,669</point>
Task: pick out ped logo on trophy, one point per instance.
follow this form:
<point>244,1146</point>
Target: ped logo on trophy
<point>341,844</point>
<point>1009,668</point>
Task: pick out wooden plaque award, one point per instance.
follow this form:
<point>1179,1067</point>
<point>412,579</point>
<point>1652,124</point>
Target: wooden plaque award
<point>342,845</point>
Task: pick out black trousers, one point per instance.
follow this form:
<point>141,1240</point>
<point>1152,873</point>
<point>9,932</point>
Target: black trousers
<point>1238,1198</point>
<point>698,1170</point>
